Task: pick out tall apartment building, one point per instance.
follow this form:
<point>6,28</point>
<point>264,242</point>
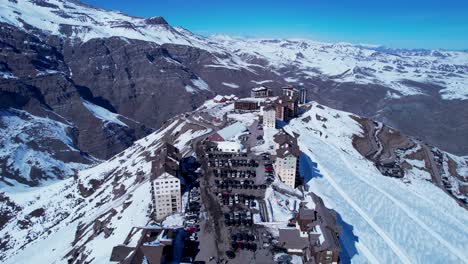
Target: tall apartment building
<point>300,94</point>
<point>287,106</point>
<point>287,158</point>
<point>269,116</point>
<point>165,183</point>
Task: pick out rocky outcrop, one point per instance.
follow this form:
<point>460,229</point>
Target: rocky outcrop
<point>147,71</point>
<point>396,154</point>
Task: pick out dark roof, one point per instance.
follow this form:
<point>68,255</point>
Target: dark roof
<point>290,238</point>
<point>328,224</point>
<point>330,240</point>
<point>282,137</point>
<point>121,252</point>
<point>269,107</point>
<point>306,214</point>
<point>162,165</point>
<point>167,160</point>
<point>287,144</point>
<point>149,245</point>
<point>168,150</point>
<point>288,149</point>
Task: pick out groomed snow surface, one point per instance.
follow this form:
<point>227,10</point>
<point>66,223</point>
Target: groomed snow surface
<point>384,219</point>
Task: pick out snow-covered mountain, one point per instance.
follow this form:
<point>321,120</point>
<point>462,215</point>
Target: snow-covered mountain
<point>384,219</point>
<point>111,79</point>
<point>25,153</point>
<point>342,62</point>
<point>51,224</point>
<point>73,19</point>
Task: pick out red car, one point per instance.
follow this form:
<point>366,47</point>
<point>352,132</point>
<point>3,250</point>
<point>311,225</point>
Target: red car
<point>191,229</point>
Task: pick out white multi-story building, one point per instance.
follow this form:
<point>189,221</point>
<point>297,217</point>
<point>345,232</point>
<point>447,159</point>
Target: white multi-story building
<point>287,158</point>
<point>286,167</point>
<point>269,116</point>
<point>167,195</point>
<point>165,184</point>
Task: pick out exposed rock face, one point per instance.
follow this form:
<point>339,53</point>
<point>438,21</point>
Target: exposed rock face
<point>156,21</point>
<point>37,81</point>
<point>395,154</point>
<point>146,71</point>
<point>137,79</point>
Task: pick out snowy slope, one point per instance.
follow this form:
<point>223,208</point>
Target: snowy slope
<point>387,221</point>
<point>26,154</point>
<point>294,59</point>
<point>76,20</point>
<point>49,224</point>
<point>103,114</point>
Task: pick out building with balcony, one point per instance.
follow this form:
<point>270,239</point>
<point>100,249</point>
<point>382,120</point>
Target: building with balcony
<point>261,92</point>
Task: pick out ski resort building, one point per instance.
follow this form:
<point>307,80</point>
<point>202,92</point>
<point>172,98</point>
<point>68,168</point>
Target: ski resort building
<point>286,107</point>
<point>281,111</point>
<point>225,98</point>
<point>246,105</point>
<point>269,116</point>
<point>300,93</point>
<point>290,91</point>
<point>229,146</point>
<point>287,158</point>
<point>261,92</point>
<point>165,184</point>
<point>228,132</point>
<point>313,234</point>
<point>154,246</point>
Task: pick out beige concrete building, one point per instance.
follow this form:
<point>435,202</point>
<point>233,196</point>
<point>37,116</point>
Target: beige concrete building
<point>167,195</point>
<point>269,116</point>
<point>287,158</point>
<point>165,184</point>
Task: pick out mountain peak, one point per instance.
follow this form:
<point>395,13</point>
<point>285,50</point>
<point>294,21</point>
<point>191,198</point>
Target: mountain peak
<point>157,20</point>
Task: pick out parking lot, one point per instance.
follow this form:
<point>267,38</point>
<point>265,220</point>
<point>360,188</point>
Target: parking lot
<point>232,189</point>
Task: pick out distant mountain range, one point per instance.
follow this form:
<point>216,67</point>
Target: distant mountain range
<point>106,79</point>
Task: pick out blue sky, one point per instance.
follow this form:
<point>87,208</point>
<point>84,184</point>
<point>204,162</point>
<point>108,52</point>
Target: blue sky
<point>397,24</point>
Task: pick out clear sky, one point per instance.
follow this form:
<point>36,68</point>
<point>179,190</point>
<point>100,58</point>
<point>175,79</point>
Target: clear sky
<point>397,24</point>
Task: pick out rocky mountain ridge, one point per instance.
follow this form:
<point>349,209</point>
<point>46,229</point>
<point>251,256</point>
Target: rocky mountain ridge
<point>57,55</point>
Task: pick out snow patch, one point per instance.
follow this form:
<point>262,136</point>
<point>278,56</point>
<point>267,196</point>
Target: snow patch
<point>105,115</point>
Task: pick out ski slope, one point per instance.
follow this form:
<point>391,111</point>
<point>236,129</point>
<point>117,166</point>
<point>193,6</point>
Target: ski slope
<point>387,221</point>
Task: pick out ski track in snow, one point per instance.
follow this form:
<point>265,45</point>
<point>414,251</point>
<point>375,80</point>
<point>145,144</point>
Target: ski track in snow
<point>368,219</point>
<point>398,222</point>
<point>410,214</point>
<point>338,155</point>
